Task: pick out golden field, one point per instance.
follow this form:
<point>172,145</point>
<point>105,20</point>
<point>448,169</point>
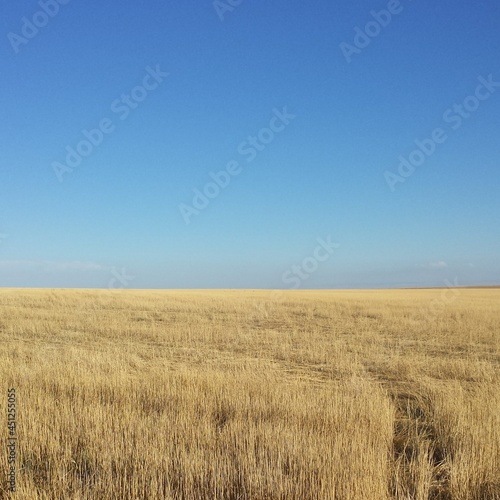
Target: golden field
<point>246,395</point>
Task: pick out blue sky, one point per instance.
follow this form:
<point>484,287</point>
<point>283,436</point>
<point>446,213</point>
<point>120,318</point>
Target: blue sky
<point>301,117</point>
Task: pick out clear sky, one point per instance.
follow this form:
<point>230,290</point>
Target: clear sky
<point>249,144</point>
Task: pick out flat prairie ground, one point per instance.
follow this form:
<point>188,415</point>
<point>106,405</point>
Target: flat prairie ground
<point>252,395</point>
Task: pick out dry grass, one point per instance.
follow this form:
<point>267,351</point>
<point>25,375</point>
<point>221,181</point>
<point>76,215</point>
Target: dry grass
<point>235,395</point>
